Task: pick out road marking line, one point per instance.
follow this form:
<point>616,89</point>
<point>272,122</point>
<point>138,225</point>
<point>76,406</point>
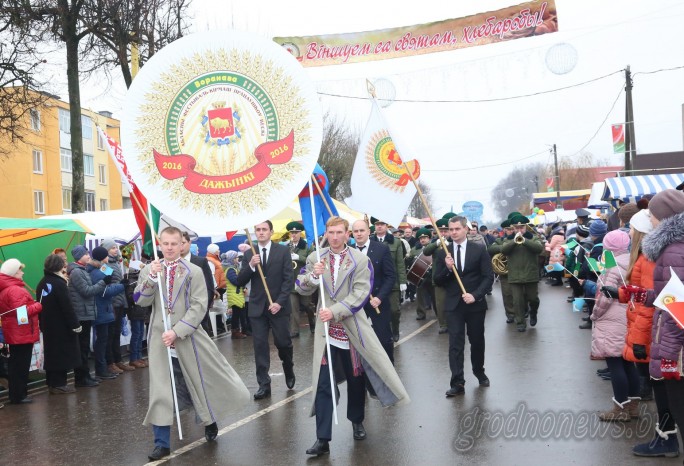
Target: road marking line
<point>273,407</point>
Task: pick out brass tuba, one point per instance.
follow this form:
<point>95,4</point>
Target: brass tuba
<point>500,264</point>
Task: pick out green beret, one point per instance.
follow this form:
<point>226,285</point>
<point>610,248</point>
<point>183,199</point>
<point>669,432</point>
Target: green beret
<point>519,220</point>
<point>448,215</point>
<point>374,221</point>
<point>294,227</point>
<point>506,223</point>
<point>442,223</point>
<point>424,232</point>
<point>514,214</point>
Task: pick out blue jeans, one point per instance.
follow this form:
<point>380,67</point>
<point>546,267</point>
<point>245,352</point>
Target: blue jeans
<point>162,436</point>
<point>100,348</point>
<point>137,331</point>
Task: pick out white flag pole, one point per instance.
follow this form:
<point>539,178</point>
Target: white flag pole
<point>166,323</point>
<point>322,296</point>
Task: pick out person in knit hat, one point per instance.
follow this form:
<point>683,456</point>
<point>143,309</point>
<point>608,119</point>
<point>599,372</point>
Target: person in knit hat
<point>588,277</point>
<point>14,298</point>
<point>665,246</point>
<point>609,332</point>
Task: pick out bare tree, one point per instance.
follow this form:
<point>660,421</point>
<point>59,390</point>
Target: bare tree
<point>514,192</point>
<point>19,63</point>
<point>338,152</point>
<point>417,208</point>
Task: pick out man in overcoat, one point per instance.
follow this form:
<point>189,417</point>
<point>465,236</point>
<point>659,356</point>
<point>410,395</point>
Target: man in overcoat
<point>204,379</point>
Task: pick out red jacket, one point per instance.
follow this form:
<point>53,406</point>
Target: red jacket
<point>13,295</point>
<point>639,316</point>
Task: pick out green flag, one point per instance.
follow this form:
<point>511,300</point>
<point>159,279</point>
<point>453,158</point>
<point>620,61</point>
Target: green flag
<point>572,244</point>
<point>593,265</point>
<point>147,238</point>
<point>608,260</point>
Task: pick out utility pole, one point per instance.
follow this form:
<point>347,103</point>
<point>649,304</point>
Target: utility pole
<point>557,177</point>
<point>630,139</point>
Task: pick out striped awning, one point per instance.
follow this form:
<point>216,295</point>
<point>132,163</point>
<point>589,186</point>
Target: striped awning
<point>633,188</point>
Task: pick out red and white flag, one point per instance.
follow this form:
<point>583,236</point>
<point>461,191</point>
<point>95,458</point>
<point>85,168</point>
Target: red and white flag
<point>380,184</point>
<point>671,298</point>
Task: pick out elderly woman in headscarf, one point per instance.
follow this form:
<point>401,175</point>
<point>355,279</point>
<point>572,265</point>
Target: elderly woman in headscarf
<point>19,313</point>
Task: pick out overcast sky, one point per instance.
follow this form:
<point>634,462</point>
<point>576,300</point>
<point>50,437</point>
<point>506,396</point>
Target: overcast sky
<point>457,143</point>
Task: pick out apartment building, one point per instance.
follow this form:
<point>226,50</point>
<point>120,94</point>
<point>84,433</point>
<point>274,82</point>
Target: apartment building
<point>36,178</point>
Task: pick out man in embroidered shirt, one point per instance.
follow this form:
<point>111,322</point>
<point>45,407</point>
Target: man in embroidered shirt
<point>204,379</point>
<point>355,349</point>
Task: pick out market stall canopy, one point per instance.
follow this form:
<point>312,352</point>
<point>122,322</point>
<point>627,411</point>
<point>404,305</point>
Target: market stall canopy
<point>32,240</point>
<point>633,188</point>
<point>550,197</point>
<point>595,201</point>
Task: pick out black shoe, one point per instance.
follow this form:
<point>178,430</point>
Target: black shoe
<point>211,432</point>
<point>359,431</point>
<point>159,453</point>
<point>484,381</point>
<point>602,371</point>
<point>457,390</point>
<point>443,330</point>
<point>319,448</point>
<point>586,319</point>
<point>509,320</point>
<point>571,299</point>
<point>533,320</point>
<point>522,329</point>
<point>586,326</point>
<point>294,335</point>
<point>395,337</point>
<point>25,401</point>
<point>106,375</point>
<point>263,392</point>
<point>420,317</point>
<point>87,383</point>
<point>289,377</point>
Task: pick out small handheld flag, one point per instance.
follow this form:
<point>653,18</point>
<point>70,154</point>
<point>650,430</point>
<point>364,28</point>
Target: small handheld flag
<point>22,315</point>
<point>671,299</point>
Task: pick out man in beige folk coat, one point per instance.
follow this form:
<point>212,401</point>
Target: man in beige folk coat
<point>204,379</point>
<point>354,347</point>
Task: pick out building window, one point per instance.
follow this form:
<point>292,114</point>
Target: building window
<point>38,202</point>
<point>66,199</point>
<point>100,141</point>
<point>103,204</point>
<point>37,161</point>
<point>87,127</point>
<point>35,119</point>
<point>64,121</point>
<point>102,173</point>
<point>89,201</point>
<point>65,157</point>
<point>88,165</point>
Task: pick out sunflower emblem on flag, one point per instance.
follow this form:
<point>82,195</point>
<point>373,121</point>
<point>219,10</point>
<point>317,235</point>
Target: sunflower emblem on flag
<point>385,164</point>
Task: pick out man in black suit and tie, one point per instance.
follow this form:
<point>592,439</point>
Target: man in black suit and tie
<point>465,312</point>
<point>384,276</point>
<point>263,314</point>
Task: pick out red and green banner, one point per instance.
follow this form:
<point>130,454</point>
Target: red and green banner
<point>618,138</point>
<point>514,22</point>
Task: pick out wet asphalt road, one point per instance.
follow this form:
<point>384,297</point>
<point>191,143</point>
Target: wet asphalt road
<point>541,408</point>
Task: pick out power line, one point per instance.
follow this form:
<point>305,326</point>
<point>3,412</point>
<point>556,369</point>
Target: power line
<point>481,100</point>
<point>658,71</point>
<point>487,166</point>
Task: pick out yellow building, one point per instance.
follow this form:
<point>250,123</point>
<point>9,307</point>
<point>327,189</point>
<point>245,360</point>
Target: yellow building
<point>36,180</point>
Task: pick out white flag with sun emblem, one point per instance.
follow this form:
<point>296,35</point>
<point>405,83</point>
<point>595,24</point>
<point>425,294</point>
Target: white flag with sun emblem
<point>380,184</point>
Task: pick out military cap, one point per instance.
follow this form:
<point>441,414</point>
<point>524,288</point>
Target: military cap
<point>519,220</point>
<point>424,232</point>
<point>375,221</point>
<point>294,227</point>
<point>448,215</point>
<point>506,223</point>
<point>442,223</point>
<point>513,214</point>
<point>582,212</point>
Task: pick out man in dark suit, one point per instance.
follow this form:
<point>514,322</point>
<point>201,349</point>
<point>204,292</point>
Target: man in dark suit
<point>465,311</point>
<point>384,276</point>
<point>203,264</point>
<point>264,313</point>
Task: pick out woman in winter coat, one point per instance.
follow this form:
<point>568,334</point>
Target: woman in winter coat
<point>665,247</point>
<point>20,330</point>
<point>610,330</point>
<point>59,325</point>
<point>556,256</point>
<point>105,313</point>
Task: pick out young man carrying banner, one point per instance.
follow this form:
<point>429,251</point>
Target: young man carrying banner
<point>204,379</point>
<point>355,349</point>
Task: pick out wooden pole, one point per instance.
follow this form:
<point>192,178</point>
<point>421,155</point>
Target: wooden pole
<point>261,271</point>
<point>325,201</point>
<point>434,225</point>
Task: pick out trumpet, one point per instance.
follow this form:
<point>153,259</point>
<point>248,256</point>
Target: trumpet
<point>294,265</point>
<point>519,238</point>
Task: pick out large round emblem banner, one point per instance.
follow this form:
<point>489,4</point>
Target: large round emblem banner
<point>221,130</point>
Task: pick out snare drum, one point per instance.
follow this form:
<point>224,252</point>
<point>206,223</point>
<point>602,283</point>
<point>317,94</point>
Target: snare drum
<point>419,270</point>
